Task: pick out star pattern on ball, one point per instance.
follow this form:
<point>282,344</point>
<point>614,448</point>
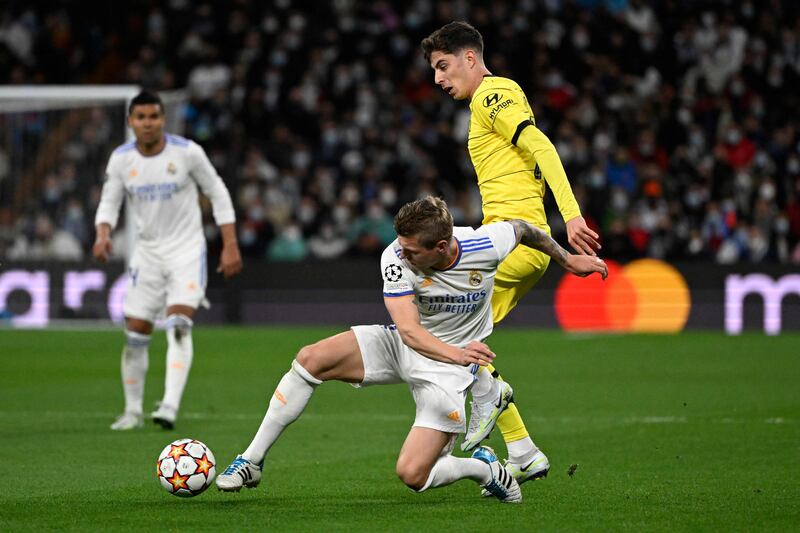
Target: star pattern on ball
<point>177,451</point>
<point>203,465</point>
<point>178,481</point>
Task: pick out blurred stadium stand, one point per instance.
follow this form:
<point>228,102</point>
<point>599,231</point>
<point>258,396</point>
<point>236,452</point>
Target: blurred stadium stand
<point>677,121</point>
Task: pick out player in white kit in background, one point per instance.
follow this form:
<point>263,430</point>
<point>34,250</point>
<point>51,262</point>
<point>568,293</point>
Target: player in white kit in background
<point>437,287</point>
<point>159,175</point>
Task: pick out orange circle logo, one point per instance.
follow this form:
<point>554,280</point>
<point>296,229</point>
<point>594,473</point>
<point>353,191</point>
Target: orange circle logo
<point>645,296</point>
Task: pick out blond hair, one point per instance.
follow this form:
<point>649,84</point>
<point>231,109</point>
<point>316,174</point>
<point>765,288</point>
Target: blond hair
<point>427,218</point>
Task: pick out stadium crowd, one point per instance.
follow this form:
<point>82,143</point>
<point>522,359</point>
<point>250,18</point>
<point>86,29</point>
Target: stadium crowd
<point>677,121</point>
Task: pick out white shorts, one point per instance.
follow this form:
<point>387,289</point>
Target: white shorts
<point>438,388</point>
<point>154,285</point>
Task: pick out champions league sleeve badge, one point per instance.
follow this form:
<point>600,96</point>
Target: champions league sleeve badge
<point>393,272</point>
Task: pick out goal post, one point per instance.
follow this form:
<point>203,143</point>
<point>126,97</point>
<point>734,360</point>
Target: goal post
<point>32,98</point>
<point>46,97</point>
<point>55,136</point>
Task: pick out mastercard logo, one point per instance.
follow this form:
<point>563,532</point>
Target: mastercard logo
<point>645,296</point>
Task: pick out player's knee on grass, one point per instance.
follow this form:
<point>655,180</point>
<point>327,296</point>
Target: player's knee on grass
<point>413,473</point>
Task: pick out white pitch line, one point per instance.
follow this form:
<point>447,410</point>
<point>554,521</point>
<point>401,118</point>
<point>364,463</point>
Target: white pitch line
<point>197,416</point>
<point>627,420</point>
<point>659,420</point>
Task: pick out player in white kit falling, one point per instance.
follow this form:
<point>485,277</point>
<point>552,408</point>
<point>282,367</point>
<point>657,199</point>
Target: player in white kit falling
<point>437,286</point>
<point>159,176</point>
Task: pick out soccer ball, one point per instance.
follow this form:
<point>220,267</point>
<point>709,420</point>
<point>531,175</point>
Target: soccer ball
<point>186,468</point>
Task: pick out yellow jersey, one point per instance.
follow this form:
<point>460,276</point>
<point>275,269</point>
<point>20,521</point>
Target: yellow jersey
<point>512,157</point>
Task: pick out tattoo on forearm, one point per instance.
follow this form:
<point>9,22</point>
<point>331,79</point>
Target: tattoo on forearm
<point>533,237</point>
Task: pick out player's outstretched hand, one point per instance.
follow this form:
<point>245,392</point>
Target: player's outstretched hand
<point>230,261</point>
<point>581,238</point>
<point>101,249</point>
<point>476,352</point>
<point>583,265</point>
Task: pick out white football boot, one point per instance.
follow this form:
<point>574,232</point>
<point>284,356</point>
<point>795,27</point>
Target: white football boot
<point>536,468</point>
<point>127,421</point>
<point>240,473</point>
<point>503,486</point>
<point>164,415</point>
<point>483,416</point>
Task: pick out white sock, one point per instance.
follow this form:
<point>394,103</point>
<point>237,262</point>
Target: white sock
<point>134,368</point>
<point>521,451</point>
<point>286,405</point>
<point>180,352</point>
<point>485,387</point>
<point>449,469</point>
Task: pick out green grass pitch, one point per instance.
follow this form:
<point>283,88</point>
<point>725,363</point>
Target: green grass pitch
<point>695,432</point>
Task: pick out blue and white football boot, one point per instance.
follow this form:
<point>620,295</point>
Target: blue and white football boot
<point>536,468</point>
<point>503,486</point>
<point>240,473</point>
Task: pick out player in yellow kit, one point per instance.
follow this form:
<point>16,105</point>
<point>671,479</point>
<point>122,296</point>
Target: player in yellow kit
<point>515,163</point>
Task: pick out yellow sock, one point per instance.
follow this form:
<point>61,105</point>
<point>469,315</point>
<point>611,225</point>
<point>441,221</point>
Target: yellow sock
<point>511,425</point>
<point>510,422</point>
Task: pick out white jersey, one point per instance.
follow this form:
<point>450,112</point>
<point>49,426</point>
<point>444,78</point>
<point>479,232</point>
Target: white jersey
<point>455,303</point>
<point>162,192</point>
